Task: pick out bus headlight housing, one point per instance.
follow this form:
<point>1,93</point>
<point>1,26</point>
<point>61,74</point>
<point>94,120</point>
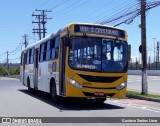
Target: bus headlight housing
<point>121,86</point>
<point>73,82</point>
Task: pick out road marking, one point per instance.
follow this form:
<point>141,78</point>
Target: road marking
<point>155,79</point>
<point>136,103</point>
<point>153,76</point>
<point>151,79</point>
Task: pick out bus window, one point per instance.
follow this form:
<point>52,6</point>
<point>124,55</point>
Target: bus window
<point>57,41</point>
<point>55,47</point>
<point>52,49</point>
<point>41,52</point>
<point>31,55</point>
<point>28,56</point>
<point>118,53</point>
<point>44,53</point>
<point>107,50</point>
<point>48,51</point>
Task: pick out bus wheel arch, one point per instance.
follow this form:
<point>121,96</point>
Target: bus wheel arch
<point>30,90</point>
<point>53,91</point>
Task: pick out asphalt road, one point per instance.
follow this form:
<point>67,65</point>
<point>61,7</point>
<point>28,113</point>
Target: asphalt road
<point>15,101</point>
<point>135,83</point>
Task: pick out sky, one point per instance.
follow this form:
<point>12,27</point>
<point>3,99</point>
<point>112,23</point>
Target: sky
<point>16,20</point>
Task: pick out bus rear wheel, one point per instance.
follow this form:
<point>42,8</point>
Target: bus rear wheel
<point>30,90</point>
<point>100,100</point>
<point>54,96</point>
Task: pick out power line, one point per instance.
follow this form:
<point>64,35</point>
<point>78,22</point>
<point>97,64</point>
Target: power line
<point>59,4</point>
<point>17,49</point>
<point>95,11</point>
<point>112,13</point>
<point>131,15</point>
<point>69,8</point>
<point>43,3</point>
<point>63,11</point>
<point>73,8</point>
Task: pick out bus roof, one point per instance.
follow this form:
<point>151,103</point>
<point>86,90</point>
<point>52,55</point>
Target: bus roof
<point>67,26</point>
<point>92,24</point>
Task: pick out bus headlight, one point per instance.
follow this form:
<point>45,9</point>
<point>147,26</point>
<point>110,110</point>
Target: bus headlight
<point>73,82</point>
<point>121,86</point>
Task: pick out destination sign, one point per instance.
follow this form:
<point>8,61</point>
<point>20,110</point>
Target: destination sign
<point>88,29</point>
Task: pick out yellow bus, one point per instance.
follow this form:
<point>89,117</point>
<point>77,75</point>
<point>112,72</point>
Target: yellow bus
<point>81,60</point>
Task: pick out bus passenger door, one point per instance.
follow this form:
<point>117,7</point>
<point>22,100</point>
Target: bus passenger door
<point>62,68</point>
<point>36,54</point>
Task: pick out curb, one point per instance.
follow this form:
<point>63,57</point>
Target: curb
<point>143,98</point>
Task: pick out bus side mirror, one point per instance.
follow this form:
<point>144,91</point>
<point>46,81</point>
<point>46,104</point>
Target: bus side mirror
<point>129,52</point>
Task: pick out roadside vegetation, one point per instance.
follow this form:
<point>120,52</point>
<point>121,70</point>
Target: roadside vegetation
<point>9,72</point>
<point>135,93</point>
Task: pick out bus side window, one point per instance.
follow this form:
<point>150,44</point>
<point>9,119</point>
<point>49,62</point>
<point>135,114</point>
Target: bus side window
<point>25,58</point>
<point>48,51</point>
<point>31,55</point>
<point>41,52</point>
<point>57,41</point>
<point>52,49</point>
<point>44,53</point>
<point>28,51</point>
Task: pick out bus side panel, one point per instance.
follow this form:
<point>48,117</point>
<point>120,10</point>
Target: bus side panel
<point>21,74</point>
<point>49,76</point>
<point>54,75</point>
<point>42,77</point>
<point>31,68</point>
<point>53,72</point>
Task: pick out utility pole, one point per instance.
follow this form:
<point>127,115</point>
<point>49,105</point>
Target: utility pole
<point>42,19</point>
<point>149,63</point>
<point>25,40</point>
<point>37,30</point>
<point>157,53</point>
<point>154,49</point>
<point>144,45</point>
<point>7,63</point>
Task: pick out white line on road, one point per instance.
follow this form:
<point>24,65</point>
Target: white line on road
<point>148,108</point>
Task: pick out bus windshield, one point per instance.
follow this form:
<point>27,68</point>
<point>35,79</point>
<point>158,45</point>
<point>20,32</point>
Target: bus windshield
<point>98,54</point>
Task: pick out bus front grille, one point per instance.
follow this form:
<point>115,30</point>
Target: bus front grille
<point>99,78</point>
<point>100,87</point>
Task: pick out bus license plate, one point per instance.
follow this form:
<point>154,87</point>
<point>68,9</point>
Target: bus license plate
<point>99,94</point>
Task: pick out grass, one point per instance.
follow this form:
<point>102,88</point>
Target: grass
<point>142,95</point>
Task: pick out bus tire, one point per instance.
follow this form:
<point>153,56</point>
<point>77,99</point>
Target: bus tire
<point>30,90</point>
<point>100,100</point>
<point>54,96</point>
